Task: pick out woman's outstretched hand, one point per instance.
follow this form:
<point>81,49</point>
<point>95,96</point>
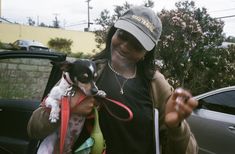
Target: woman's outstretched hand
<point>179,106</point>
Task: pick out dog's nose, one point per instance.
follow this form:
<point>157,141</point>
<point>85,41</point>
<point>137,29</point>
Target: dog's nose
<point>94,91</point>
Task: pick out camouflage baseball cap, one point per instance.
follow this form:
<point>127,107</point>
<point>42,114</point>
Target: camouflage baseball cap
<point>143,24</point>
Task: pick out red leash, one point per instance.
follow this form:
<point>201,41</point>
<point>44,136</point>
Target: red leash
<point>121,105</point>
<point>65,113</point>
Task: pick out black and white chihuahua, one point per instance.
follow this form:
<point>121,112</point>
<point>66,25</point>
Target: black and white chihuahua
<point>77,75</point>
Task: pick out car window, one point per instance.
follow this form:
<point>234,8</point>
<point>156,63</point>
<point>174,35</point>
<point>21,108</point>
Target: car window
<point>221,102</point>
<point>37,48</point>
<point>23,78</point>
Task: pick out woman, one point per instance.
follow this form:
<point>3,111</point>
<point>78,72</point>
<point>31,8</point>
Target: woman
<point>127,73</point>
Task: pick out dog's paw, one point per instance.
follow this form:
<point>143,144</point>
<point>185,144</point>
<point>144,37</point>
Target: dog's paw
<point>54,115</point>
<point>101,93</point>
<point>53,118</point>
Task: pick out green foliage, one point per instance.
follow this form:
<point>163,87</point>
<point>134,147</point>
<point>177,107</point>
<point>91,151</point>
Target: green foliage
<point>213,68</point>
<point>106,20</point>
<point>149,3</point>
<point>43,25</point>
<point>61,44</point>
<point>31,22</point>
<point>1,45</point>
<point>56,23</point>
<point>189,48</point>
<point>80,55</point>
<point>7,46</point>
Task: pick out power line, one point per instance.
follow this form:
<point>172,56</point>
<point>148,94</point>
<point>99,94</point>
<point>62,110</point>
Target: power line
<point>231,16</point>
<point>76,24</point>
<point>233,9</point>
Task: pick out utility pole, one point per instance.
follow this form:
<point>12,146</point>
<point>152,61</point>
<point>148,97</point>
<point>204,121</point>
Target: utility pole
<point>37,20</point>
<point>56,22</point>
<point>0,8</point>
<point>88,12</point>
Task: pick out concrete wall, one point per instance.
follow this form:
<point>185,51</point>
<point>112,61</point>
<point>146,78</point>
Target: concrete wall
<point>82,41</point>
<point>23,78</point>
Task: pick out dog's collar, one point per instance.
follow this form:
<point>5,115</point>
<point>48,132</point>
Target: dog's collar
<point>67,78</point>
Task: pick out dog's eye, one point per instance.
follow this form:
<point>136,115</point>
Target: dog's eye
<point>85,75</point>
<point>95,75</point>
<point>84,78</point>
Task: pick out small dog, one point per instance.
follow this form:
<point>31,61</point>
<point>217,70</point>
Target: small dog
<point>78,75</point>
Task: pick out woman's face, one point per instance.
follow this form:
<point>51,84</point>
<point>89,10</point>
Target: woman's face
<point>126,46</point>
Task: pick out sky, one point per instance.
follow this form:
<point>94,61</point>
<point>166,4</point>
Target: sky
<point>73,14</point>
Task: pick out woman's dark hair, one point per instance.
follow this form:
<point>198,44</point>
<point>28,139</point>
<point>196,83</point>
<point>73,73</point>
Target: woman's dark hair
<point>146,67</point>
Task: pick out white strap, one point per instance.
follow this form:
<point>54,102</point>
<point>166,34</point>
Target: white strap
<point>156,131</point>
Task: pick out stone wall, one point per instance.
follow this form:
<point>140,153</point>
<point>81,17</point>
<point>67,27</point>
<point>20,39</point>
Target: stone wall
<point>23,78</point>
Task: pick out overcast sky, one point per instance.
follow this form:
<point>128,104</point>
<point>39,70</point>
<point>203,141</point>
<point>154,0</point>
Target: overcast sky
<point>74,12</point>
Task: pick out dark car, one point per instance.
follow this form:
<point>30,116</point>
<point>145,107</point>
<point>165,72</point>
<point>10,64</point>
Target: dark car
<point>25,78</point>
<point>213,122</point>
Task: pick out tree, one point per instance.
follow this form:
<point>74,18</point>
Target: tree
<point>189,49</point>
<point>31,22</point>
<point>105,21</point>
<point>212,68</point>
<point>43,25</point>
<point>1,44</point>
<point>80,55</point>
<point>149,3</point>
<point>56,23</point>
<point>61,44</point>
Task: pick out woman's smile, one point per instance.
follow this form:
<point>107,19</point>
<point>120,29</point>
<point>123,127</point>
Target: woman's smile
<point>124,49</point>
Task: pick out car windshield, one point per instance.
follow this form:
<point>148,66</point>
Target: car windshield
<point>24,78</point>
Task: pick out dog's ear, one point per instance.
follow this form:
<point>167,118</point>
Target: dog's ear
<point>64,66</point>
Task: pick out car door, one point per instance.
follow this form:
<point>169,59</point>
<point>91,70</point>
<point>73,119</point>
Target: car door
<point>213,123</point>
<point>25,78</point>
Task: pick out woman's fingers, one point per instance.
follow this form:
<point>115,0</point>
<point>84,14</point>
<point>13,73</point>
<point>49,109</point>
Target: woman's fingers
<point>179,106</point>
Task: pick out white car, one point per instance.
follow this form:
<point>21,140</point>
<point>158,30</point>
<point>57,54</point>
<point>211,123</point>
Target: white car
<point>30,45</point>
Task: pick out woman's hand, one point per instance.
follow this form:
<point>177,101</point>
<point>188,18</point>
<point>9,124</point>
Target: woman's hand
<point>85,107</point>
<point>179,106</point>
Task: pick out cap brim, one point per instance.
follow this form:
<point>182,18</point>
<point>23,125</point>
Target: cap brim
<point>144,39</point>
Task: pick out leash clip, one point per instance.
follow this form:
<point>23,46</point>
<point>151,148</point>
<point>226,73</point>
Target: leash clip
<point>70,91</point>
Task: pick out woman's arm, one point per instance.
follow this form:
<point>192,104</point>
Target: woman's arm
<point>176,139</point>
<point>39,125</point>
<point>180,140</point>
